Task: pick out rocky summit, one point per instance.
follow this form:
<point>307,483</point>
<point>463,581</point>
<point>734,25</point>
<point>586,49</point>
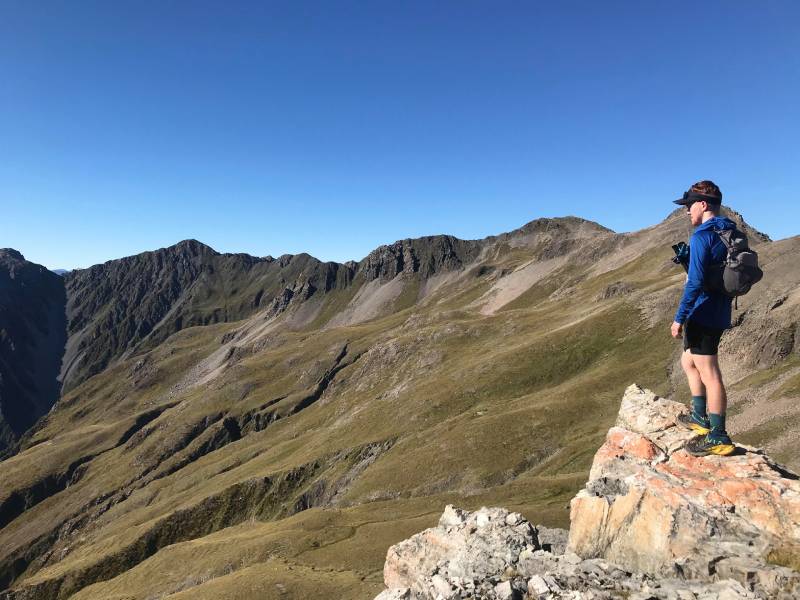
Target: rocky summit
<point>652,522</point>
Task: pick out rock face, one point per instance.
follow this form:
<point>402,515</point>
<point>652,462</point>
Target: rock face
<point>652,522</point>
<point>32,337</point>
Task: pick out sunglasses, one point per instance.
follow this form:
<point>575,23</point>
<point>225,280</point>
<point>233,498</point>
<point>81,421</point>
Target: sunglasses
<point>693,202</point>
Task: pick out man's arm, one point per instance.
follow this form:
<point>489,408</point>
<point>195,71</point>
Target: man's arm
<point>698,257</point>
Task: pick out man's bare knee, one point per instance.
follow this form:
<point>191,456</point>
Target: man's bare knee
<point>708,365</point>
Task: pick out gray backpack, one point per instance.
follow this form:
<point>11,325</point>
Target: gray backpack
<point>739,271</point>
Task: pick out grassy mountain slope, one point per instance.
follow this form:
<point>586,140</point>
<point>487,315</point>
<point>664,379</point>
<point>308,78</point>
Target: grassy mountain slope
<point>280,454</point>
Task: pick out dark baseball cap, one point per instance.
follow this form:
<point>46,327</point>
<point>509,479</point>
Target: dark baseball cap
<point>691,197</point>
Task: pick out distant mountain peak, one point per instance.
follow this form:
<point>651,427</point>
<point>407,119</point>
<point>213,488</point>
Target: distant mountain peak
<point>568,222</point>
<point>679,214</point>
<point>553,225</point>
<point>11,253</point>
<point>192,246</point>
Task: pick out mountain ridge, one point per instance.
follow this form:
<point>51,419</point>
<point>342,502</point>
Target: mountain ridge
<point>194,244</point>
<point>197,264</point>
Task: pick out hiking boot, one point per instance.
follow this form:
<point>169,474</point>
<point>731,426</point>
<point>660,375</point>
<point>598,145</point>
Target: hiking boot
<point>693,423</point>
<point>704,445</point>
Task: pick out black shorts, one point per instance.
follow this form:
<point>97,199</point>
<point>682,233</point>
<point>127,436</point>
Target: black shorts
<point>699,339</point>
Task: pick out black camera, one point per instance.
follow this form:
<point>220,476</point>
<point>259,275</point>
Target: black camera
<point>681,255</point>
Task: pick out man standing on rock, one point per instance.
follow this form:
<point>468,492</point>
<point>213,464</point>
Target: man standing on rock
<point>701,318</point>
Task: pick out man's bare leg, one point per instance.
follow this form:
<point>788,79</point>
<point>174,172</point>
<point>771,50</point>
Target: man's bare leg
<point>711,378</point>
<point>697,419</point>
<point>692,374</point>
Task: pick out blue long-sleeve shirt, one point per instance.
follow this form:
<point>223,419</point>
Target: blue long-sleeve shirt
<point>705,249</point>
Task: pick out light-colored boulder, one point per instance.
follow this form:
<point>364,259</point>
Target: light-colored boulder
<point>537,586</point>
<point>473,546</point>
<point>504,591</point>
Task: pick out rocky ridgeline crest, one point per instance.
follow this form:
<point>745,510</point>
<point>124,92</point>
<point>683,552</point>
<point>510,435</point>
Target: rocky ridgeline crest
<point>426,256</point>
<point>651,522</point>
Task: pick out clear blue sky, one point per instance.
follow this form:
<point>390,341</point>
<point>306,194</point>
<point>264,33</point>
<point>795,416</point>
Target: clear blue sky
<point>333,127</point>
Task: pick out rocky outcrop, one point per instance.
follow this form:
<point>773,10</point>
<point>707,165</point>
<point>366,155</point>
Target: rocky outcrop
<point>492,554</point>
<point>32,337</point>
<point>651,522</point>
<point>426,256</point>
<point>649,506</point>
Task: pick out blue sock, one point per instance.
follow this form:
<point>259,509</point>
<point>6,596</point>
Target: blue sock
<point>718,427</point>
<point>699,407</point>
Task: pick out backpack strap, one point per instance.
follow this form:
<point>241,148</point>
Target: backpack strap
<point>726,237</point>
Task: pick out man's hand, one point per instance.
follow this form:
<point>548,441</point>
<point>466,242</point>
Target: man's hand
<point>677,330</point>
